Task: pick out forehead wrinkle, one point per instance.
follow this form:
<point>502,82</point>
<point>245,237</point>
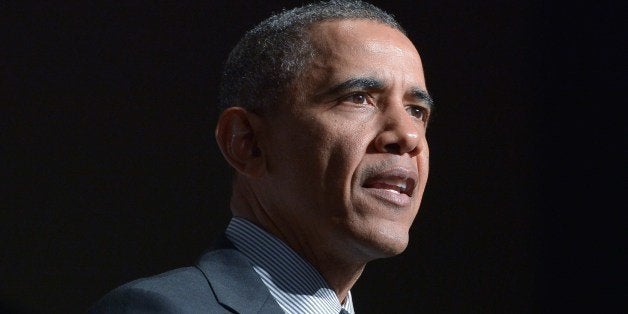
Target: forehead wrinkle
<point>384,47</point>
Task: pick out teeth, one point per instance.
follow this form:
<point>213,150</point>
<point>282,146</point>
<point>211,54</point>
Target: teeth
<point>400,184</point>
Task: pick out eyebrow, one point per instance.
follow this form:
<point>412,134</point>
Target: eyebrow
<point>363,83</point>
<point>422,95</point>
<point>371,83</point>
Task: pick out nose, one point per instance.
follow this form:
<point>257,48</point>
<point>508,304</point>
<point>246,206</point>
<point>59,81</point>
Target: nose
<point>401,133</point>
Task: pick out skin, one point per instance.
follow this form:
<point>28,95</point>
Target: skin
<point>319,172</point>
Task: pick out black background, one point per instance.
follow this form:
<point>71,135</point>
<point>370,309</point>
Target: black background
<point>110,170</point>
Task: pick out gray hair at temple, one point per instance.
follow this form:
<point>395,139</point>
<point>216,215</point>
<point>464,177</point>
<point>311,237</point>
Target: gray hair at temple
<point>270,56</point>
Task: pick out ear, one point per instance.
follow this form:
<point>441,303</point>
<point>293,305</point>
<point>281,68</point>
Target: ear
<point>237,134</point>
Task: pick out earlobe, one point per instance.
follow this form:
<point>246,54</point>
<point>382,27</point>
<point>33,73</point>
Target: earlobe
<point>237,136</point>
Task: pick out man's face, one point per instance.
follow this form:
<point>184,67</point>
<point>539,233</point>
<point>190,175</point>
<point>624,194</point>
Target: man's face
<point>347,156</point>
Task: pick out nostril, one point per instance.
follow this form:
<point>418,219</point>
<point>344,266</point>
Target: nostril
<point>393,148</point>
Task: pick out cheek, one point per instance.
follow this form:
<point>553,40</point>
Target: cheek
<point>347,146</point>
<point>342,148</point>
<point>423,165</point>
<point>424,158</point>
<point>326,148</point>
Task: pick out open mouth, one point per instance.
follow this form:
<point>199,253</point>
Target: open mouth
<point>396,180</point>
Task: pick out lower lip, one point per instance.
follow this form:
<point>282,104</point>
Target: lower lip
<point>390,196</point>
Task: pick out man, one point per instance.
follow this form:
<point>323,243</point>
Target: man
<point>324,121</point>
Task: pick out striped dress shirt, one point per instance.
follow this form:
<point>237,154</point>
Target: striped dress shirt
<point>295,284</point>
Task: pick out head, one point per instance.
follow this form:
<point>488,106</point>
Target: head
<point>325,116</point>
<point>269,57</point>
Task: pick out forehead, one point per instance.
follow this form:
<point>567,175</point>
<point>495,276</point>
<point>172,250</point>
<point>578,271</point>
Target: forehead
<point>345,48</point>
<point>340,30</point>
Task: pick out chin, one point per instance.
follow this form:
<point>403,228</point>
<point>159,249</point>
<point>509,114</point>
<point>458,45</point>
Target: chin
<point>382,242</point>
<point>388,247</point>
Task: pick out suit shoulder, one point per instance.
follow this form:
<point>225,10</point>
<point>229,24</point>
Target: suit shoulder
<point>183,290</point>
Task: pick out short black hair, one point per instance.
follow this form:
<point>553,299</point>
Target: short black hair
<point>266,60</point>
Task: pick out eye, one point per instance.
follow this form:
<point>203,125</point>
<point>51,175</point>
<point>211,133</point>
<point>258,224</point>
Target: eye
<point>417,112</point>
<point>357,98</point>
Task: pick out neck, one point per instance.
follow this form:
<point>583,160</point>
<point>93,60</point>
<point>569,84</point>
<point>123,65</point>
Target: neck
<point>340,277</point>
<point>340,272</point>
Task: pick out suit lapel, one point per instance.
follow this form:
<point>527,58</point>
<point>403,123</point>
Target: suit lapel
<point>234,282</point>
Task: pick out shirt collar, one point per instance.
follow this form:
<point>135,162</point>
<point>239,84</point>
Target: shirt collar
<point>295,284</point>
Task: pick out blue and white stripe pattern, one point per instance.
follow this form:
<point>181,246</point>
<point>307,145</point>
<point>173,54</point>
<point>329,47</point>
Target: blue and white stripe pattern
<point>295,284</point>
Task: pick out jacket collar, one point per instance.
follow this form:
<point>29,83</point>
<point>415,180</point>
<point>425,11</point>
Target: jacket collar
<point>233,280</point>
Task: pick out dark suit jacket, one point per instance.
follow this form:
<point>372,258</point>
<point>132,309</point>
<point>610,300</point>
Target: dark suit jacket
<point>223,281</point>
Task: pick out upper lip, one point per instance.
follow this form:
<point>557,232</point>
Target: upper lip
<point>399,178</point>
